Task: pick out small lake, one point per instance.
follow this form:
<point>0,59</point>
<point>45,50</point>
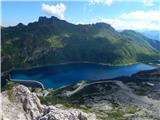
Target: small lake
<point>55,76</point>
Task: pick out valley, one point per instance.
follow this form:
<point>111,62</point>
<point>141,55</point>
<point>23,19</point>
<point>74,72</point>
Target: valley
<point>80,60</point>
<point>116,92</point>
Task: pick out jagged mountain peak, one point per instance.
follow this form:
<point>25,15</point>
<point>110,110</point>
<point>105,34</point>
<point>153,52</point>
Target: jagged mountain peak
<point>20,25</point>
<point>44,19</point>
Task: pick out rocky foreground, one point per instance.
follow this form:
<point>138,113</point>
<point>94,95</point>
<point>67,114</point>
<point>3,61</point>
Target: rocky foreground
<point>127,98</point>
<point>20,104</point>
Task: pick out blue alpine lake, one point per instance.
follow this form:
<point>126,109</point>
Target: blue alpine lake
<point>55,76</point>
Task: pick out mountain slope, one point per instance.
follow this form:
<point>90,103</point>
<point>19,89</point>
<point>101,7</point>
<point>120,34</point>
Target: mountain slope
<point>141,39</point>
<point>50,40</point>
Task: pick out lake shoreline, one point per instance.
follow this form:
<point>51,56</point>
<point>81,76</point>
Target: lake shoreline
<point>99,76</point>
<point>74,62</point>
<point>89,82</point>
<point>28,81</point>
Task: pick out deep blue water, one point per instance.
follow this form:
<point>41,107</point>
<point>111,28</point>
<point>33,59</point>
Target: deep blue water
<point>56,76</point>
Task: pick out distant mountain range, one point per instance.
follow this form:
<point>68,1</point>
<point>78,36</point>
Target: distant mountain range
<point>50,40</point>
<point>152,34</point>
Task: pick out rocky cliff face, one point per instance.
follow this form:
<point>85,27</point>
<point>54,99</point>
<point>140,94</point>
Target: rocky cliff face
<point>20,104</point>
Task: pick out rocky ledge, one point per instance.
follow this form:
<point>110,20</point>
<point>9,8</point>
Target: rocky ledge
<point>21,104</point>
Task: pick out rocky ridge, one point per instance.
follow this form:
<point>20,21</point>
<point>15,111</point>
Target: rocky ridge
<point>20,104</point>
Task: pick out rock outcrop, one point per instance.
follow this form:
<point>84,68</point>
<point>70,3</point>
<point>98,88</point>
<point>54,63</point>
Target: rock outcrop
<point>53,113</point>
<point>20,104</point>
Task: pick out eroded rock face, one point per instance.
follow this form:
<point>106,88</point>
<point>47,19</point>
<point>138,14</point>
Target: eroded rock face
<point>30,102</point>
<point>21,104</point>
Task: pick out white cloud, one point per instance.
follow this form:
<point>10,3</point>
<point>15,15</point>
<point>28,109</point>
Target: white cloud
<point>104,2</point>
<point>55,10</point>
<point>142,15</point>
<point>109,2</point>
<point>148,2</point>
<point>137,20</point>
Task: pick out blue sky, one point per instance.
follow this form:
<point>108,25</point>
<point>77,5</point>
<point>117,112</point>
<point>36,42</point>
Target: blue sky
<point>121,14</point>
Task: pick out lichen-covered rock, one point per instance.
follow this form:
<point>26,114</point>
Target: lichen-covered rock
<point>21,104</point>
<point>54,113</point>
